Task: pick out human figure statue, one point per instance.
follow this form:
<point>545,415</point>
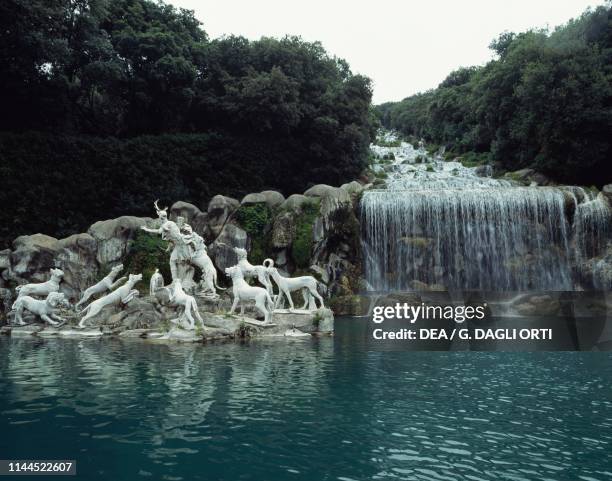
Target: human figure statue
<point>156,282</point>
<point>200,258</point>
<point>180,258</point>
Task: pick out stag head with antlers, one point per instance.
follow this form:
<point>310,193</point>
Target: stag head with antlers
<point>161,213</point>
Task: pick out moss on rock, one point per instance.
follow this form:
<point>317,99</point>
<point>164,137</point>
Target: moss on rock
<point>254,219</point>
<point>301,249</point>
<point>146,253</point>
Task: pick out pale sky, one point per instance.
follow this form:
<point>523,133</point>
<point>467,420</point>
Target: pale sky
<point>405,46</point>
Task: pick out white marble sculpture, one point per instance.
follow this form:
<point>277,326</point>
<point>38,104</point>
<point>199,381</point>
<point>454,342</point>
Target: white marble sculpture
<point>108,283</point>
<point>287,285</point>
<point>188,252</point>
<point>156,282</point>
<point>200,259</point>
<point>45,309</point>
<point>42,289</point>
<point>180,266</point>
<point>179,298</point>
<point>244,292</point>
<point>250,271</point>
<point>122,295</point>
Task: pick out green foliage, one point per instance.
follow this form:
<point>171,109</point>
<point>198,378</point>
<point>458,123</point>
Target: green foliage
<point>301,249</point>
<point>544,102</point>
<point>254,219</point>
<point>146,253</point>
<point>473,159</point>
<point>128,89</point>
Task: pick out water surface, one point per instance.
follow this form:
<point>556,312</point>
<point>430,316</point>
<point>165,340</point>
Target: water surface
<point>320,409</point>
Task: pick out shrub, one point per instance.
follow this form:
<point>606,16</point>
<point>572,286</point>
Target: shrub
<point>146,253</point>
<point>254,219</point>
<point>301,248</point>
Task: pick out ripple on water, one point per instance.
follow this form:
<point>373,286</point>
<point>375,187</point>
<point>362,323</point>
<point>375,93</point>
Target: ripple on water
<point>261,411</point>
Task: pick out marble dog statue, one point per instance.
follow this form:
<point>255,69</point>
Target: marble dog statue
<point>244,292</point>
<point>45,309</point>
<point>287,285</point>
<point>42,289</point>
<point>180,298</point>
<point>249,270</point>
<point>122,295</point>
<point>108,283</point>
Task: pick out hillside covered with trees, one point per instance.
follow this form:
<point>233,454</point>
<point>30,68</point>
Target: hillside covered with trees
<point>545,101</point>
<point>109,104</point>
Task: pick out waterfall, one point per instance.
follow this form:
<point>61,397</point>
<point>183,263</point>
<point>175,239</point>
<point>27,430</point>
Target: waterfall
<point>443,225</point>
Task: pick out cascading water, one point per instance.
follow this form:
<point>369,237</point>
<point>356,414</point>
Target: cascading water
<point>442,225</point>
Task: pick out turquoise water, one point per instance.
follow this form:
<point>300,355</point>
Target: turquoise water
<point>315,409</point>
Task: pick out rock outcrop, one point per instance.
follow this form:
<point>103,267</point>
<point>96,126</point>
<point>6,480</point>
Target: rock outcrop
<point>113,237</point>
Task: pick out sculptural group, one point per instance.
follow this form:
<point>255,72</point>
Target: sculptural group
<point>188,253</point>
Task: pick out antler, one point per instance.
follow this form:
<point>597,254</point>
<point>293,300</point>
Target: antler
<point>157,208</point>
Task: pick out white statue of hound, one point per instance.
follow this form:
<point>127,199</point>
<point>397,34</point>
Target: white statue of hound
<point>244,292</point>
<point>286,285</point>
<point>43,308</point>
<point>179,298</point>
<point>249,270</point>
<point>108,283</point>
<point>42,289</point>
<point>122,295</point>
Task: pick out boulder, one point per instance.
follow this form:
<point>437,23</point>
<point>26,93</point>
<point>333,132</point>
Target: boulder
<point>113,237</point>
<point>294,202</point>
<point>274,199</point>
<point>222,250</point>
<point>607,193</point>
<point>184,209</point>
<point>271,198</point>
<point>197,219</point>
<point>528,176</point>
<point>283,230</point>
<point>321,273</point>
<point>139,314</point>
<point>219,210</point>
<point>32,257</point>
<point>353,187</point>
<point>323,191</point>
<point>251,199</point>
<point>5,259</point>
<point>77,258</point>
<point>281,258</point>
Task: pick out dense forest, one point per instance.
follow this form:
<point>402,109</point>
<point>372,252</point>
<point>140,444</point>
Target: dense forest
<point>109,104</point>
<point>544,101</point>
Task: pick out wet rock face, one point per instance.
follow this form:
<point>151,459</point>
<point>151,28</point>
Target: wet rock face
<point>32,257</point>
<point>222,250</point>
<point>77,258</point>
<point>197,219</point>
<point>113,237</point>
<point>271,198</point>
<point>283,230</point>
<point>220,208</point>
<point>326,247</point>
<point>294,202</point>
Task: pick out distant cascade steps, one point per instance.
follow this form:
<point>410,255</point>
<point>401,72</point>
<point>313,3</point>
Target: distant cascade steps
<point>449,228</point>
